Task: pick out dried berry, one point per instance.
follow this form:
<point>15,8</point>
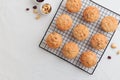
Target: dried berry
<point>27,9</point>
<point>35,7</point>
<point>109,57</point>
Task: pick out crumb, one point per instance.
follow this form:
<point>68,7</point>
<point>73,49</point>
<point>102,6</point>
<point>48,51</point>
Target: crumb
<point>35,11</point>
<point>109,57</point>
<point>113,45</point>
<point>37,17</point>
<point>35,7</point>
<point>27,9</point>
<point>118,52</point>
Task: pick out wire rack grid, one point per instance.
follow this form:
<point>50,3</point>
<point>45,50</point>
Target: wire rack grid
<point>84,45</point>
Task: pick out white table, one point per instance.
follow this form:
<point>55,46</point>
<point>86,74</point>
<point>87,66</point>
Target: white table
<point>22,59</point>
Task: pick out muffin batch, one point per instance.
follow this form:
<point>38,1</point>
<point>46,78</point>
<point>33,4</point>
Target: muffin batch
<point>68,37</point>
<point>81,32</point>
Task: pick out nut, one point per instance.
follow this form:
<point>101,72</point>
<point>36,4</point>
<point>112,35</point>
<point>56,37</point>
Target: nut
<point>46,8</point>
<point>35,11</point>
<point>118,52</point>
<point>37,17</point>
<point>113,46</point>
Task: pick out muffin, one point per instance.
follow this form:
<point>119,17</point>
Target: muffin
<point>73,5</point>
<point>70,50</point>
<point>54,40</point>
<point>91,14</point>
<point>64,22</point>
<point>109,24</point>
<point>88,59</point>
<point>80,32</point>
<point>99,41</point>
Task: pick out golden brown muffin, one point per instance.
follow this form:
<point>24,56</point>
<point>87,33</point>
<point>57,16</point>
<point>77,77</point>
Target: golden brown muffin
<point>88,59</point>
<point>54,40</point>
<point>80,32</point>
<point>73,5</point>
<point>99,41</point>
<point>109,24</point>
<point>91,14</point>
<point>70,50</point>
<point>64,22</point>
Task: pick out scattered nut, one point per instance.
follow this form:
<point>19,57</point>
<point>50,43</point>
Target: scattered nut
<point>118,52</point>
<point>113,46</point>
<point>35,11</point>
<point>37,17</point>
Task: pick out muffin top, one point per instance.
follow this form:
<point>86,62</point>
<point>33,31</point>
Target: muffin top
<point>54,40</point>
<point>99,41</point>
<point>73,5</point>
<point>70,50</point>
<point>64,22</point>
<point>88,59</point>
<point>109,24</point>
<point>80,32</point>
<point>91,14</point>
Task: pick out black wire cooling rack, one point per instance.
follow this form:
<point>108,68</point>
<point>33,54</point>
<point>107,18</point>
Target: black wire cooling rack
<point>84,45</point>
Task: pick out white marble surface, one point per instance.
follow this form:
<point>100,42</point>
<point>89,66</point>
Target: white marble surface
<point>22,59</point>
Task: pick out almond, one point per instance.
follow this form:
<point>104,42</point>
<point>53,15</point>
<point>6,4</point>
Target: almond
<point>118,52</point>
<point>113,45</point>
<point>37,17</point>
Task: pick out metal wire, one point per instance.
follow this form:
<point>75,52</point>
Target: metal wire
<point>84,45</point>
